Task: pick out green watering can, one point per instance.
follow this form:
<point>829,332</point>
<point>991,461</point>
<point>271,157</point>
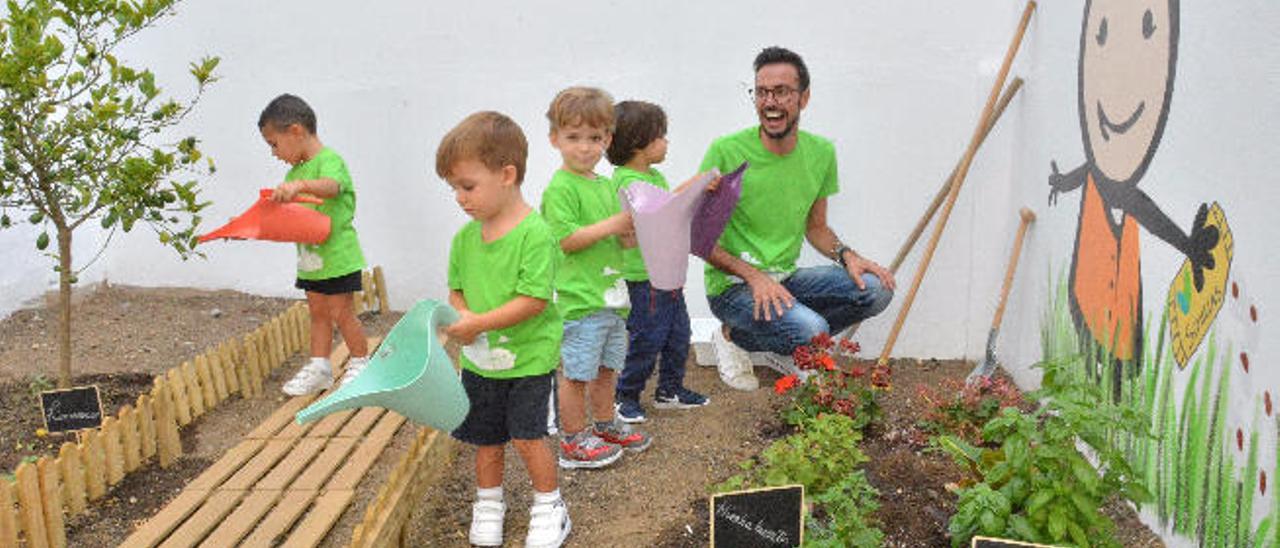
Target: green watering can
<point>409,374</point>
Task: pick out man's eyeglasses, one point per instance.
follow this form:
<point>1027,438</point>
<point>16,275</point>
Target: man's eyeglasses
<point>779,93</point>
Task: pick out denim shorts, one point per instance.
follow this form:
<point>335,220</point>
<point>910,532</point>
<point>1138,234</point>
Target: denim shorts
<point>591,342</point>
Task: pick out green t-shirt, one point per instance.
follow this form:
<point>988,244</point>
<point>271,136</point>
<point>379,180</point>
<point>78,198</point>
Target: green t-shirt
<point>340,254</point>
<point>768,226</point>
<point>632,263</point>
<point>589,279</point>
<point>489,275</point>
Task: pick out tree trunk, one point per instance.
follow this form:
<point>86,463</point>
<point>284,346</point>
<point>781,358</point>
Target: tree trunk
<point>64,307</point>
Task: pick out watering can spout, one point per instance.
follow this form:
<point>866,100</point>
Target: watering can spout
<point>409,373</point>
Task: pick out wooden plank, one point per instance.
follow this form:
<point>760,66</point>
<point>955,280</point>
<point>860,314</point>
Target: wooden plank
<point>281,417</point>
<point>293,430</point>
<point>178,394</point>
<point>30,508</point>
<point>386,515</point>
<point>195,391</point>
<point>370,292</point>
<point>322,468</point>
<point>326,427</point>
<point>112,450</point>
<point>277,344</point>
<point>95,469</point>
<point>72,479</point>
<point>50,495</point>
<point>8,515</point>
<point>168,443</point>
<point>348,477</point>
<point>129,439</point>
<point>292,504</point>
<point>358,425</point>
<point>328,508</point>
<point>146,428</point>
<point>195,528</point>
<point>230,367</point>
<point>218,373</point>
<point>228,464</point>
<point>252,373</point>
<point>154,531</point>
<point>234,528</point>
<point>291,465</point>
<point>261,462</point>
<point>208,389</point>
<point>380,282</point>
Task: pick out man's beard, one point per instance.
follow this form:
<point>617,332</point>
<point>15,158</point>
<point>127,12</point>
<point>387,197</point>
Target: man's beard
<point>791,127</point>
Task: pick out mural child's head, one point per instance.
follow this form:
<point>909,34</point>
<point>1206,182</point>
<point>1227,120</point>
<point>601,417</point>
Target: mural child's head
<point>1128,51</point>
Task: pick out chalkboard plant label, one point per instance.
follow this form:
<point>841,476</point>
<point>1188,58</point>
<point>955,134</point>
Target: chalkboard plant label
<point>990,542</point>
<point>71,409</point>
<point>767,517</point>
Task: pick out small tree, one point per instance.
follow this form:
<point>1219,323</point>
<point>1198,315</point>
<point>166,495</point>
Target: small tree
<point>84,136</point>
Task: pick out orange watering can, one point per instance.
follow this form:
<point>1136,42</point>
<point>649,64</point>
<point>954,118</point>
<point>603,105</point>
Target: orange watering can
<point>276,222</point>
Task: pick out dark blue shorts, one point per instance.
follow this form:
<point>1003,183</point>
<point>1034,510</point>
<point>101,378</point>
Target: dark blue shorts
<point>506,409</point>
<point>346,283</point>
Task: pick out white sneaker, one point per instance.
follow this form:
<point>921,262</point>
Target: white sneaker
<point>734,364</point>
<point>549,525</point>
<point>784,365</point>
<point>313,377</point>
<point>354,367</point>
<point>487,518</point>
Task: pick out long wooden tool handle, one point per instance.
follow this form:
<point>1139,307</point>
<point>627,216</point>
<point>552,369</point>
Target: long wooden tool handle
<point>910,242</point>
<point>959,181</point>
<point>1027,217</point>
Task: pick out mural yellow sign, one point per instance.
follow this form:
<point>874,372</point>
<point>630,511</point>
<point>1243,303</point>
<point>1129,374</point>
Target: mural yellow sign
<point>1192,312</point>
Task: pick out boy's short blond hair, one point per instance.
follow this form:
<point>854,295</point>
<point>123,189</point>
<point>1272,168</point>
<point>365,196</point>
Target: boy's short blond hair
<point>488,137</point>
<point>581,106</point>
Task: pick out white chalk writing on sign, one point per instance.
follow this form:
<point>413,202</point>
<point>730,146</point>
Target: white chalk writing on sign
<point>775,536</point>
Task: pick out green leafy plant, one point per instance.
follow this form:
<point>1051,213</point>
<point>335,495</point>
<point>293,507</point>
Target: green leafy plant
<point>963,409</point>
<point>823,456</point>
<point>1049,491</point>
<point>834,383</point>
<point>84,136</point>
<point>39,383</point>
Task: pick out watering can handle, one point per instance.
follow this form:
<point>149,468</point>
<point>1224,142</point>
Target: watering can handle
<point>301,198</point>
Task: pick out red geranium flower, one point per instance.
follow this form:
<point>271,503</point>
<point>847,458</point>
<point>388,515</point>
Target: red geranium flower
<point>782,385</point>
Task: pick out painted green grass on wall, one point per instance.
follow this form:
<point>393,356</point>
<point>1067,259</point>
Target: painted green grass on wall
<point>1189,462</point>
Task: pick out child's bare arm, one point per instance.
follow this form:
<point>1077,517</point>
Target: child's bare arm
<point>513,312</point>
<point>583,237</point>
<point>320,188</point>
<point>711,187</point>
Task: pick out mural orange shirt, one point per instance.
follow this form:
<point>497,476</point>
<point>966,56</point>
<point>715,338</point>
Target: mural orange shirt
<point>1106,282</point>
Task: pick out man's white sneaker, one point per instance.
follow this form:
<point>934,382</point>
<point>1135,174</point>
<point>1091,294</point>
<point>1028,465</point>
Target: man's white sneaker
<point>734,364</point>
<point>549,525</point>
<point>354,367</point>
<point>487,517</point>
<point>313,377</point>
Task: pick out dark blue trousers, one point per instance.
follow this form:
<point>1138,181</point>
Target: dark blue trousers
<point>657,326</point>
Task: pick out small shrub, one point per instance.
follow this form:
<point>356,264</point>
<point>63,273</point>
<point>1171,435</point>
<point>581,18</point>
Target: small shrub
<point>834,385</point>
<point>962,409</point>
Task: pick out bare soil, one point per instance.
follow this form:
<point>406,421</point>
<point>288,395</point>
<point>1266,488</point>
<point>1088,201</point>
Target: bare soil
<point>124,335</point>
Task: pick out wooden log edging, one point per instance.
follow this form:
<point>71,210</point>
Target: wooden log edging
<point>388,513</point>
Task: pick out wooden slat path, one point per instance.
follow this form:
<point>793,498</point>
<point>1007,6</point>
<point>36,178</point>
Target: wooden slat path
<point>283,484</point>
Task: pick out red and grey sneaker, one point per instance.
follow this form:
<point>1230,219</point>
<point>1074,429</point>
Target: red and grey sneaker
<point>622,434</point>
<point>586,450</point>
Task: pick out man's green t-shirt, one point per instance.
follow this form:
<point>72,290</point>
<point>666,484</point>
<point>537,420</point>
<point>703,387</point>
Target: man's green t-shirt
<point>768,226</point>
<point>632,263</point>
<point>589,279</point>
<point>339,254</point>
<point>491,274</point>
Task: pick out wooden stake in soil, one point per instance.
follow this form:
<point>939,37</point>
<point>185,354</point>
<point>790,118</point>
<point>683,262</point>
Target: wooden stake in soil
<point>51,501</point>
<point>8,517</point>
<point>177,394</point>
<point>230,367</point>
<point>95,470</point>
<point>72,479</point>
<point>129,439</point>
<point>30,506</point>
<point>380,282</point>
<point>195,392</point>
<point>112,449</point>
<point>146,429</point>
<point>958,183</point>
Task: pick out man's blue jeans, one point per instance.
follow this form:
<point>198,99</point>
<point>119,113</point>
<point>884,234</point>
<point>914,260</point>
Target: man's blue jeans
<point>657,326</point>
<point>826,301</point>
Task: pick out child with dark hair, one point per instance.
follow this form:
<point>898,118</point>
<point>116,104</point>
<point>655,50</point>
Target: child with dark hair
<point>659,321</point>
<point>329,272</point>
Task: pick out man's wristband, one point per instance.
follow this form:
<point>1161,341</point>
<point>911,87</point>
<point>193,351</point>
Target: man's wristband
<point>838,253</point>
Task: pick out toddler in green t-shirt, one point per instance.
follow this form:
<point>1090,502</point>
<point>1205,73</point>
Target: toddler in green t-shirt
<point>501,269</point>
<point>586,218</point>
<point>329,272</point>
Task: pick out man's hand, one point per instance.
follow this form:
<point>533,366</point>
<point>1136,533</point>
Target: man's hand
<point>858,266</point>
<point>465,330</point>
<point>770,298</point>
<point>287,191</point>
